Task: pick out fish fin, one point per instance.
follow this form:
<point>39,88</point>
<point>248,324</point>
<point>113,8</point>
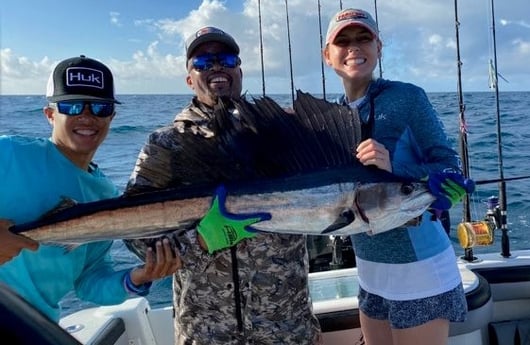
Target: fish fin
<point>317,135</point>
<point>259,139</point>
<point>225,154</point>
<point>67,247</point>
<point>346,217</point>
<point>335,128</point>
<point>139,246</point>
<point>63,204</point>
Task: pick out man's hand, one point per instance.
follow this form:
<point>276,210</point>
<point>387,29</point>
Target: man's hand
<point>448,188</point>
<point>158,265</point>
<point>220,229</point>
<point>11,244</point>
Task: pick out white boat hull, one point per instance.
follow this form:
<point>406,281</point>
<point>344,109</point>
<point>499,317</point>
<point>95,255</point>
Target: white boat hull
<point>497,289</point>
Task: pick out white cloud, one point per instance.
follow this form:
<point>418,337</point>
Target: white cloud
<point>524,24</point>
<point>523,47</point>
<point>20,75</point>
<point>419,46</point>
<point>115,18</point>
<point>520,23</point>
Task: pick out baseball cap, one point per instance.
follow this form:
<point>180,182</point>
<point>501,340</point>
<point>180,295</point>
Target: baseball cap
<point>210,34</point>
<point>80,78</point>
<point>347,17</point>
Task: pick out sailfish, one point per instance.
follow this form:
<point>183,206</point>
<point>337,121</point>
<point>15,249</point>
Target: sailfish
<point>297,166</point>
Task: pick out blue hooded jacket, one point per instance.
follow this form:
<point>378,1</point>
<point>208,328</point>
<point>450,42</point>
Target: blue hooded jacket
<point>417,261</point>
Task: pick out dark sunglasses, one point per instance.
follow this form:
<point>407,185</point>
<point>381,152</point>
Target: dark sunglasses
<point>206,61</point>
<point>74,108</point>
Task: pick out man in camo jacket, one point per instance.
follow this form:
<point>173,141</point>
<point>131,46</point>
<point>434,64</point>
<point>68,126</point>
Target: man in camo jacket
<point>255,292</point>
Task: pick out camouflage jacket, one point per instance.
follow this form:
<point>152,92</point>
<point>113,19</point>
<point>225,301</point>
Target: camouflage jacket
<point>253,293</point>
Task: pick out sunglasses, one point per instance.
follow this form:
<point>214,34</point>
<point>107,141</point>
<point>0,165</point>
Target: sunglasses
<point>74,108</point>
<point>206,61</point>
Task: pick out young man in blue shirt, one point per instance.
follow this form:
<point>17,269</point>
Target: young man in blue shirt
<point>37,173</point>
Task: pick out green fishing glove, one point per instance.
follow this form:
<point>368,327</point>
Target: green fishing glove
<point>448,188</point>
<point>220,229</point>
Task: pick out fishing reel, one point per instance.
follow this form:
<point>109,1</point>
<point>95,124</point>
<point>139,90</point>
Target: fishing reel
<point>330,252</point>
<point>480,233</point>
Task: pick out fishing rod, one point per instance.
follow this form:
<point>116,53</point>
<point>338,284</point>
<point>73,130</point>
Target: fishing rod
<point>505,244</point>
<point>377,25</point>
<point>496,216</point>
<point>261,49</point>
<point>479,182</point>
<point>321,49</point>
<point>290,52</point>
<point>464,154</point>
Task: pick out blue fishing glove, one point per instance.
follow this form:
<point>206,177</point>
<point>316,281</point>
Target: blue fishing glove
<point>220,229</point>
<point>448,188</point>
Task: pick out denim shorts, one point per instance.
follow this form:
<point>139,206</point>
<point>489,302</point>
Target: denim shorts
<point>450,305</point>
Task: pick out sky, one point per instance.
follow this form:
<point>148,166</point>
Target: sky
<point>143,42</point>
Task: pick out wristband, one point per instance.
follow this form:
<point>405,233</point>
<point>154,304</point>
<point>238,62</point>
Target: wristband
<point>141,290</point>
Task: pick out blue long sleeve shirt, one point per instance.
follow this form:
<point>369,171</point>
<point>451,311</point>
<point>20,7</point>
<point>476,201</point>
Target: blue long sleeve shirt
<point>418,261</point>
<point>34,178</point>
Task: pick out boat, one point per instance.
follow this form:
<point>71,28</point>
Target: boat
<point>497,292</point>
<point>497,287</point>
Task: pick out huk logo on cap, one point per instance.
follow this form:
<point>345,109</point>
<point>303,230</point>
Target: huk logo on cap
<point>82,76</point>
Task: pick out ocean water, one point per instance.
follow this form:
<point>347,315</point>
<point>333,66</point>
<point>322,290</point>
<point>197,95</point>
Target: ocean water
<point>140,114</point>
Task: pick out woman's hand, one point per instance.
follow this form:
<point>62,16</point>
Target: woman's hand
<point>370,152</point>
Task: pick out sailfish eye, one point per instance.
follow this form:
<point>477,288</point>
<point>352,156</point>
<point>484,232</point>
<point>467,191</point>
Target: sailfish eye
<point>407,188</point>
<point>348,215</point>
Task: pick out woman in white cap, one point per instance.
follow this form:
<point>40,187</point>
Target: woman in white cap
<point>410,286</point>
